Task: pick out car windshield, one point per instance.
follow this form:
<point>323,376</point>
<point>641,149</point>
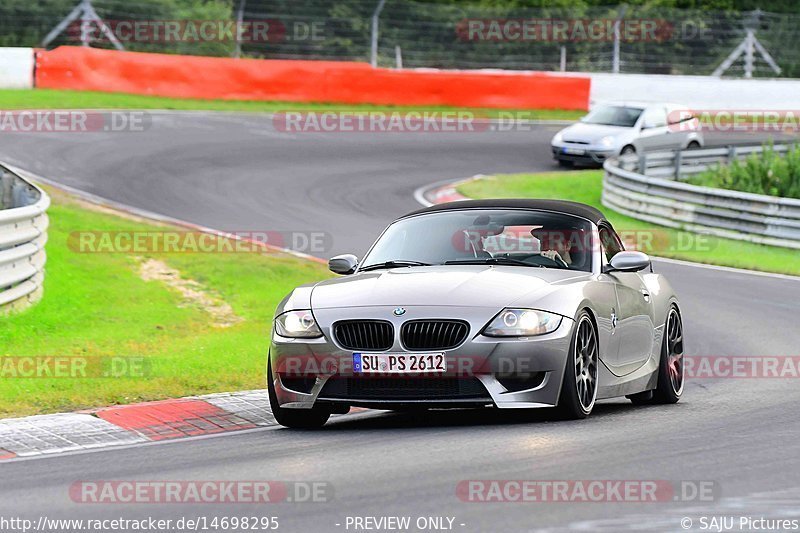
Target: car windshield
<point>514,237</point>
<point>612,115</point>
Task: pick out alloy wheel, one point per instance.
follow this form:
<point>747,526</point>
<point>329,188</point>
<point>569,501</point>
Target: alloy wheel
<point>586,364</point>
<point>675,365</point>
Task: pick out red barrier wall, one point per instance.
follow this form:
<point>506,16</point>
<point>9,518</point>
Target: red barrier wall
<point>302,81</point>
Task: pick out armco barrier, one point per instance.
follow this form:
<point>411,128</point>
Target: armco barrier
<point>303,81</point>
<point>666,201</point>
<point>23,234</point>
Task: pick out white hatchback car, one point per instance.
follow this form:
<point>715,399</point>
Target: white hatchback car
<point>626,128</point>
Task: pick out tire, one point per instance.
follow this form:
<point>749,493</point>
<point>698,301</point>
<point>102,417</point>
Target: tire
<point>671,370</point>
<point>577,401</point>
<point>565,164</point>
<point>627,150</point>
<point>294,418</point>
<point>694,145</point>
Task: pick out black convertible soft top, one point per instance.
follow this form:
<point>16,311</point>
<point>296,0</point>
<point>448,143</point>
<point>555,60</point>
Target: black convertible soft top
<point>558,206</point>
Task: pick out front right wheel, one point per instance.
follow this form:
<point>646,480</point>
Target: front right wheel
<point>671,369</point>
<point>294,418</point>
<point>579,387</point>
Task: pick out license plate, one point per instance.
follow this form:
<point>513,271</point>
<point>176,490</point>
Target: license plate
<point>573,151</point>
<point>399,363</point>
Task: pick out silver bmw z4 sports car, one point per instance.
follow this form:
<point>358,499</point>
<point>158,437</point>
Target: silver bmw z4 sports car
<point>492,303</point>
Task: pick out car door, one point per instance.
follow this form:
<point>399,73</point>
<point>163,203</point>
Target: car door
<point>632,324</point>
<point>654,132</point>
<point>681,123</point>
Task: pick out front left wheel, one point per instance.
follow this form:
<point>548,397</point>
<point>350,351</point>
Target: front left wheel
<point>579,387</point>
<point>294,418</point>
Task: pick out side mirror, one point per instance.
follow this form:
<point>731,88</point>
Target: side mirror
<point>628,262</point>
<point>343,264</point>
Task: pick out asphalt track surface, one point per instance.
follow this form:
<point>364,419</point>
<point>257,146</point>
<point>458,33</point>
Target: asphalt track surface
<point>235,172</point>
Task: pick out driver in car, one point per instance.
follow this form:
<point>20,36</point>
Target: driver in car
<point>553,245</point>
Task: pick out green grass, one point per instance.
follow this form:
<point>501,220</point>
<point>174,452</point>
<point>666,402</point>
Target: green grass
<point>95,305</point>
<point>62,99</point>
<point>585,187</point>
<point>769,172</point>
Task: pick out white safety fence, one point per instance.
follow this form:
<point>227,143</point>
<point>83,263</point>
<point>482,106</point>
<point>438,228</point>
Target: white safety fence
<point>699,93</point>
<point>23,234</point>
<point>16,68</point>
<point>648,187</point>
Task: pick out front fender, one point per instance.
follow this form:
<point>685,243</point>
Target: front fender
<point>299,298</point>
<point>662,297</point>
<point>595,294</point>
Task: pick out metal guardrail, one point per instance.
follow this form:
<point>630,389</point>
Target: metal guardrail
<point>23,235</point>
<point>648,187</point>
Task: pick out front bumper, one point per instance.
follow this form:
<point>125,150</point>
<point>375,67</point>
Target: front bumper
<point>483,371</point>
<point>582,154</point>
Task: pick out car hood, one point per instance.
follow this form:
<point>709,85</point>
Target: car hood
<point>457,285</point>
<point>591,133</point>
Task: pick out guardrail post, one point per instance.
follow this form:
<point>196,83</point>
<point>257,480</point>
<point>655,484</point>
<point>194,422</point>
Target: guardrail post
<point>6,190</point>
<point>678,162</point>
<point>731,154</point>
<point>642,163</point>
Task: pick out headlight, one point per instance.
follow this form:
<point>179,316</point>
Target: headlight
<point>297,325</point>
<point>556,138</point>
<point>522,323</point>
<point>607,141</point>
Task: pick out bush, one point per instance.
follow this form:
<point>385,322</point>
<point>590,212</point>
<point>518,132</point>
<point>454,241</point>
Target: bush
<point>767,172</point>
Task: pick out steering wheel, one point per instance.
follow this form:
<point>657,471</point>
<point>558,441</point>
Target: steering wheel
<point>558,262</point>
